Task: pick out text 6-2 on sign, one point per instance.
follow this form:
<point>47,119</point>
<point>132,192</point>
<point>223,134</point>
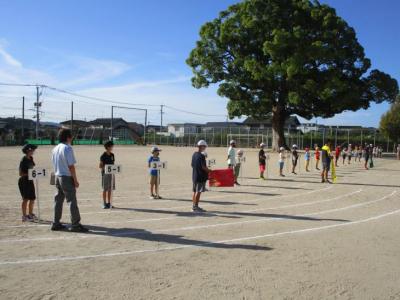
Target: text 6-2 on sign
<point>36,173</point>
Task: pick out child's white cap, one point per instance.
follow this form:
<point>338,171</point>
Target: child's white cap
<point>294,146</point>
<point>232,142</point>
<point>240,152</point>
<point>155,149</point>
<point>281,148</point>
<point>262,145</point>
<point>202,143</point>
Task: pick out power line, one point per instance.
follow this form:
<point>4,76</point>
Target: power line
<point>193,113</point>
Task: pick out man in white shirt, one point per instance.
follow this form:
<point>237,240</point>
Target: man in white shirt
<point>63,159</point>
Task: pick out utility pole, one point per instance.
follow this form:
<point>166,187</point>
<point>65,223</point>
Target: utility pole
<point>37,105</point>
<point>161,125</point>
<point>23,121</point>
<point>72,117</point>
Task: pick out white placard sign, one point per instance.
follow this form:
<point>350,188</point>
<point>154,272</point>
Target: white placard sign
<point>242,159</point>
<point>211,162</point>
<point>112,169</point>
<point>158,165</point>
<point>267,157</point>
<point>37,173</point>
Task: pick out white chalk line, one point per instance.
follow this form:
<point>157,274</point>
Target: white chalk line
<point>116,201</point>
<point>170,208</point>
<point>230,241</point>
<point>136,232</point>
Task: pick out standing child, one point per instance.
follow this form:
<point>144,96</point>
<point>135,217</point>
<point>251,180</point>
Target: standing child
<point>199,175</point>
<point>262,160</point>
<point>295,157</point>
<point>317,157</point>
<point>337,155</point>
<point>107,180</point>
<point>307,157</point>
<point>26,186</point>
<point>349,153</point>
<point>281,160</point>
<point>154,174</point>
<point>326,161</point>
<point>232,157</point>
<point>344,154</point>
<point>239,155</point>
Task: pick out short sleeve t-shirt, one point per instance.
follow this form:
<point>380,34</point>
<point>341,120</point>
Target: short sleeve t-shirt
<point>26,164</point>
<point>261,157</point>
<point>107,159</point>
<point>326,152</point>
<point>231,156</point>
<point>198,163</point>
<point>307,156</point>
<point>153,172</point>
<point>63,157</point>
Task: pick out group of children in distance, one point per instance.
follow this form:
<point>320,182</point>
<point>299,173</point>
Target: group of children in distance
<point>199,166</point>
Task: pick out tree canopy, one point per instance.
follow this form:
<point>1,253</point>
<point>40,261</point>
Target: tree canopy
<point>286,57</point>
<point>390,122</point>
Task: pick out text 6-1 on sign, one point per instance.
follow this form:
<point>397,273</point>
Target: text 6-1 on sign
<point>112,169</point>
<point>36,173</point>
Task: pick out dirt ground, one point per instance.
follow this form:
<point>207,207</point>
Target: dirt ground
<point>282,238</point>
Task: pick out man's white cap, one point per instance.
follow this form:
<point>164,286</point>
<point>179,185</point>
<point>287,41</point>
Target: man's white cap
<point>281,148</point>
<point>232,142</point>
<point>240,151</point>
<point>262,145</point>
<point>202,143</point>
<point>154,149</point>
<point>294,146</point>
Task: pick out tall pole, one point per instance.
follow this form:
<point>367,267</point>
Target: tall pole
<point>72,117</point>
<point>37,112</point>
<point>348,137</point>
<point>112,123</point>
<point>23,121</point>
<point>336,137</point>
<point>145,127</point>
<point>161,123</point>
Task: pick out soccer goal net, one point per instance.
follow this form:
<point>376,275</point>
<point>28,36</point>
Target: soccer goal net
<point>248,140</point>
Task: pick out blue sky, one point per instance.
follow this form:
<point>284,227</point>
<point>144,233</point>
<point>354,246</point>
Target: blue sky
<point>135,51</point>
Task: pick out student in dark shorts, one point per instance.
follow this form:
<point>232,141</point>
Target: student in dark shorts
<point>107,182</point>
<point>326,161</point>
<point>199,175</point>
<point>262,160</point>
<point>366,156</point>
<point>295,158</point>
<point>26,186</point>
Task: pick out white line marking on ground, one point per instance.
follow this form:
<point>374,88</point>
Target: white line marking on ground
<point>113,254</point>
<point>135,232</point>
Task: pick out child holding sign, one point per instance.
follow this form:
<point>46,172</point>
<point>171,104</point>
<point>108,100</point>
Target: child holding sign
<point>154,173</point>
<point>107,182</point>
<point>239,157</point>
<point>26,186</point>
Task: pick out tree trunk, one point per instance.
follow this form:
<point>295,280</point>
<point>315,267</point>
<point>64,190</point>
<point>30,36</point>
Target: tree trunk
<point>278,124</point>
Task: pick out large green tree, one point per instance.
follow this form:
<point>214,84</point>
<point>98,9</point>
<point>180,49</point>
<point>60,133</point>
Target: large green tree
<point>390,122</point>
<point>286,57</point>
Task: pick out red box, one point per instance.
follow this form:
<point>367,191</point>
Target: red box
<point>221,178</point>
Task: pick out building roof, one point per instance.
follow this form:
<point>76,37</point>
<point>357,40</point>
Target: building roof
<point>267,121</point>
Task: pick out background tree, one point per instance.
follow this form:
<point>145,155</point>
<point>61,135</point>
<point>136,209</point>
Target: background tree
<point>390,122</point>
<point>286,57</point>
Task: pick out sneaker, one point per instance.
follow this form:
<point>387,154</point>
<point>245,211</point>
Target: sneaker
<point>158,197</point>
<point>79,228</point>
<point>197,209</point>
<point>322,181</point>
<point>152,197</point>
<point>58,227</point>
<point>28,218</point>
<point>105,206</point>
<point>282,175</point>
<point>33,217</point>
<point>24,219</point>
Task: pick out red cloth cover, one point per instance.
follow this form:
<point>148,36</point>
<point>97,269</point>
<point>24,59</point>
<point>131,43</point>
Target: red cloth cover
<point>221,178</point>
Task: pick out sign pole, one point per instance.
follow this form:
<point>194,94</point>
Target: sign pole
<point>112,191</point>
<point>37,198</point>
